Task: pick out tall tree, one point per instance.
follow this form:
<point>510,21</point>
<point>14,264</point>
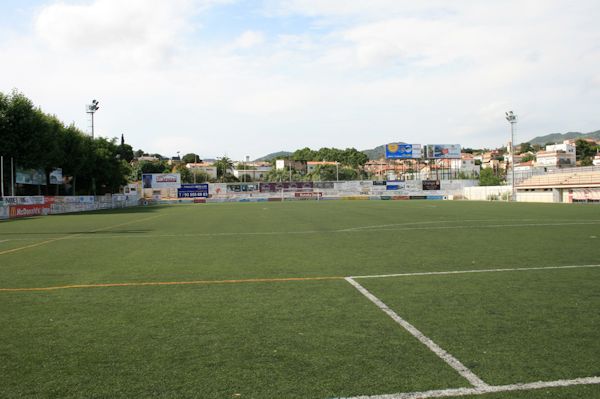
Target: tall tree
<point>223,165</point>
<point>191,158</point>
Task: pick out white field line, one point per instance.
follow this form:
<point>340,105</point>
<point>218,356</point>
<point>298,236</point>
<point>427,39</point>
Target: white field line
<point>518,269</point>
<point>90,235</point>
<point>378,226</point>
<point>435,348</point>
<point>444,393</point>
<point>488,226</point>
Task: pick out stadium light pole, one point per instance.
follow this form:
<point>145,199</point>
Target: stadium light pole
<point>245,164</point>
<point>512,119</point>
<point>91,109</point>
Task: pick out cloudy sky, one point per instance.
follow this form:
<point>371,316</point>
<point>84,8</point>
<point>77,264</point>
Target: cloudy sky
<point>236,78</point>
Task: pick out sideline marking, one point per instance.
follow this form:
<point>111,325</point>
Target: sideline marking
<point>443,393</point>
<point>517,269</point>
<point>435,348</point>
<point>8,251</point>
<point>193,282</point>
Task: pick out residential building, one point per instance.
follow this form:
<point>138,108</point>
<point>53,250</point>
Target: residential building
<point>557,158</point>
<point>207,168</point>
<point>299,166</point>
<point>256,170</point>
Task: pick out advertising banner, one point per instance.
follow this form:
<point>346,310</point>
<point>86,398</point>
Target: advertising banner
<point>285,186</point>
<point>242,187</point>
<point>30,176</point>
<point>56,176</point>
<point>431,185</point>
<point>402,151</point>
<point>308,195</point>
<point>395,185</point>
<point>21,211</point>
<point>161,180</point>
<point>325,185</point>
<point>193,191</point>
<point>443,151</point>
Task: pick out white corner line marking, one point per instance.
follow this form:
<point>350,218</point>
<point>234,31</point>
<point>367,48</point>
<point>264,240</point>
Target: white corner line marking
<point>435,348</point>
<point>518,269</point>
<point>444,393</point>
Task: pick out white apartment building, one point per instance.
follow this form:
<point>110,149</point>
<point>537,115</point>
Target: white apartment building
<point>557,155</point>
<point>207,168</point>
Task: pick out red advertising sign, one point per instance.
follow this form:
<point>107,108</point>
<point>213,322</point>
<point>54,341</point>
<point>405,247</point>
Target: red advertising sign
<point>22,211</point>
<point>307,195</point>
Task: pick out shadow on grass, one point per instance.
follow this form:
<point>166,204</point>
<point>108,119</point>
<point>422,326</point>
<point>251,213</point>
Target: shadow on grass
<point>120,211</point>
<point>87,233</point>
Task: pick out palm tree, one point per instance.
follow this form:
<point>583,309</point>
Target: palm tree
<point>223,164</point>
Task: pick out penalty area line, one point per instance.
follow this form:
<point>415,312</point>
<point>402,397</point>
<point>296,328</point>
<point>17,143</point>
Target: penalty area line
<point>444,393</point>
<point>435,348</point>
<point>517,269</point>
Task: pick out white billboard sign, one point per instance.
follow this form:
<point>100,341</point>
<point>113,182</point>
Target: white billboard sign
<point>161,180</point>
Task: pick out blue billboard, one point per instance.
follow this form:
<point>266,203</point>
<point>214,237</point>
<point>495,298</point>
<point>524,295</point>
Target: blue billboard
<point>193,191</point>
<point>403,151</point>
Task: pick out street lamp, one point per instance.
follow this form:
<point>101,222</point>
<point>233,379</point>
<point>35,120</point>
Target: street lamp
<point>91,109</point>
<point>512,119</point>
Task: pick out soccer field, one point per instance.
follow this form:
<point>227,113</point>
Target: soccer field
<point>328,299</point>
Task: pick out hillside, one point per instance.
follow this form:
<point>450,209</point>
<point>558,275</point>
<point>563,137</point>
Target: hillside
<point>274,155</point>
<point>375,153</point>
<point>559,137</point>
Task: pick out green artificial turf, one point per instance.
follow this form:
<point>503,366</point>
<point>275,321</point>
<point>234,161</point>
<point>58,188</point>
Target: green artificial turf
<point>259,340</point>
<point>295,339</point>
<point>507,327</point>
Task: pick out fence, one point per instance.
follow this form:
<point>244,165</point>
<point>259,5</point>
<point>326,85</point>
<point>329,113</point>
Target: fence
<point>17,207</point>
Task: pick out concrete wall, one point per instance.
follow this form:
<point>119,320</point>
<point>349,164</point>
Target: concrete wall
<point>536,196</point>
<point>486,193</point>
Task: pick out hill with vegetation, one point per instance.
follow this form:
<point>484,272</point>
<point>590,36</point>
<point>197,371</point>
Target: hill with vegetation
<point>560,137</point>
<point>274,155</point>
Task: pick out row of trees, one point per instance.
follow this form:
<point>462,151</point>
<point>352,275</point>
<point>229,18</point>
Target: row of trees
<point>349,157</point>
<point>36,140</point>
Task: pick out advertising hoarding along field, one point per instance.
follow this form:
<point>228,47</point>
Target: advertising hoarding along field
<point>443,151</point>
<point>285,186</point>
<point>431,185</point>
<point>193,191</point>
<point>161,180</point>
<point>402,151</point>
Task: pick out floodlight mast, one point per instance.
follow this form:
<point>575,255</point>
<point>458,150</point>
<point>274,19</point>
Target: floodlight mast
<point>512,119</point>
<point>91,109</point>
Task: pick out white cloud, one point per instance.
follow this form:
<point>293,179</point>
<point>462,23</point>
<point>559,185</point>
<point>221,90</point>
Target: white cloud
<point>368,72</point>
<point>249,39</point>
<point>144,31</point>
